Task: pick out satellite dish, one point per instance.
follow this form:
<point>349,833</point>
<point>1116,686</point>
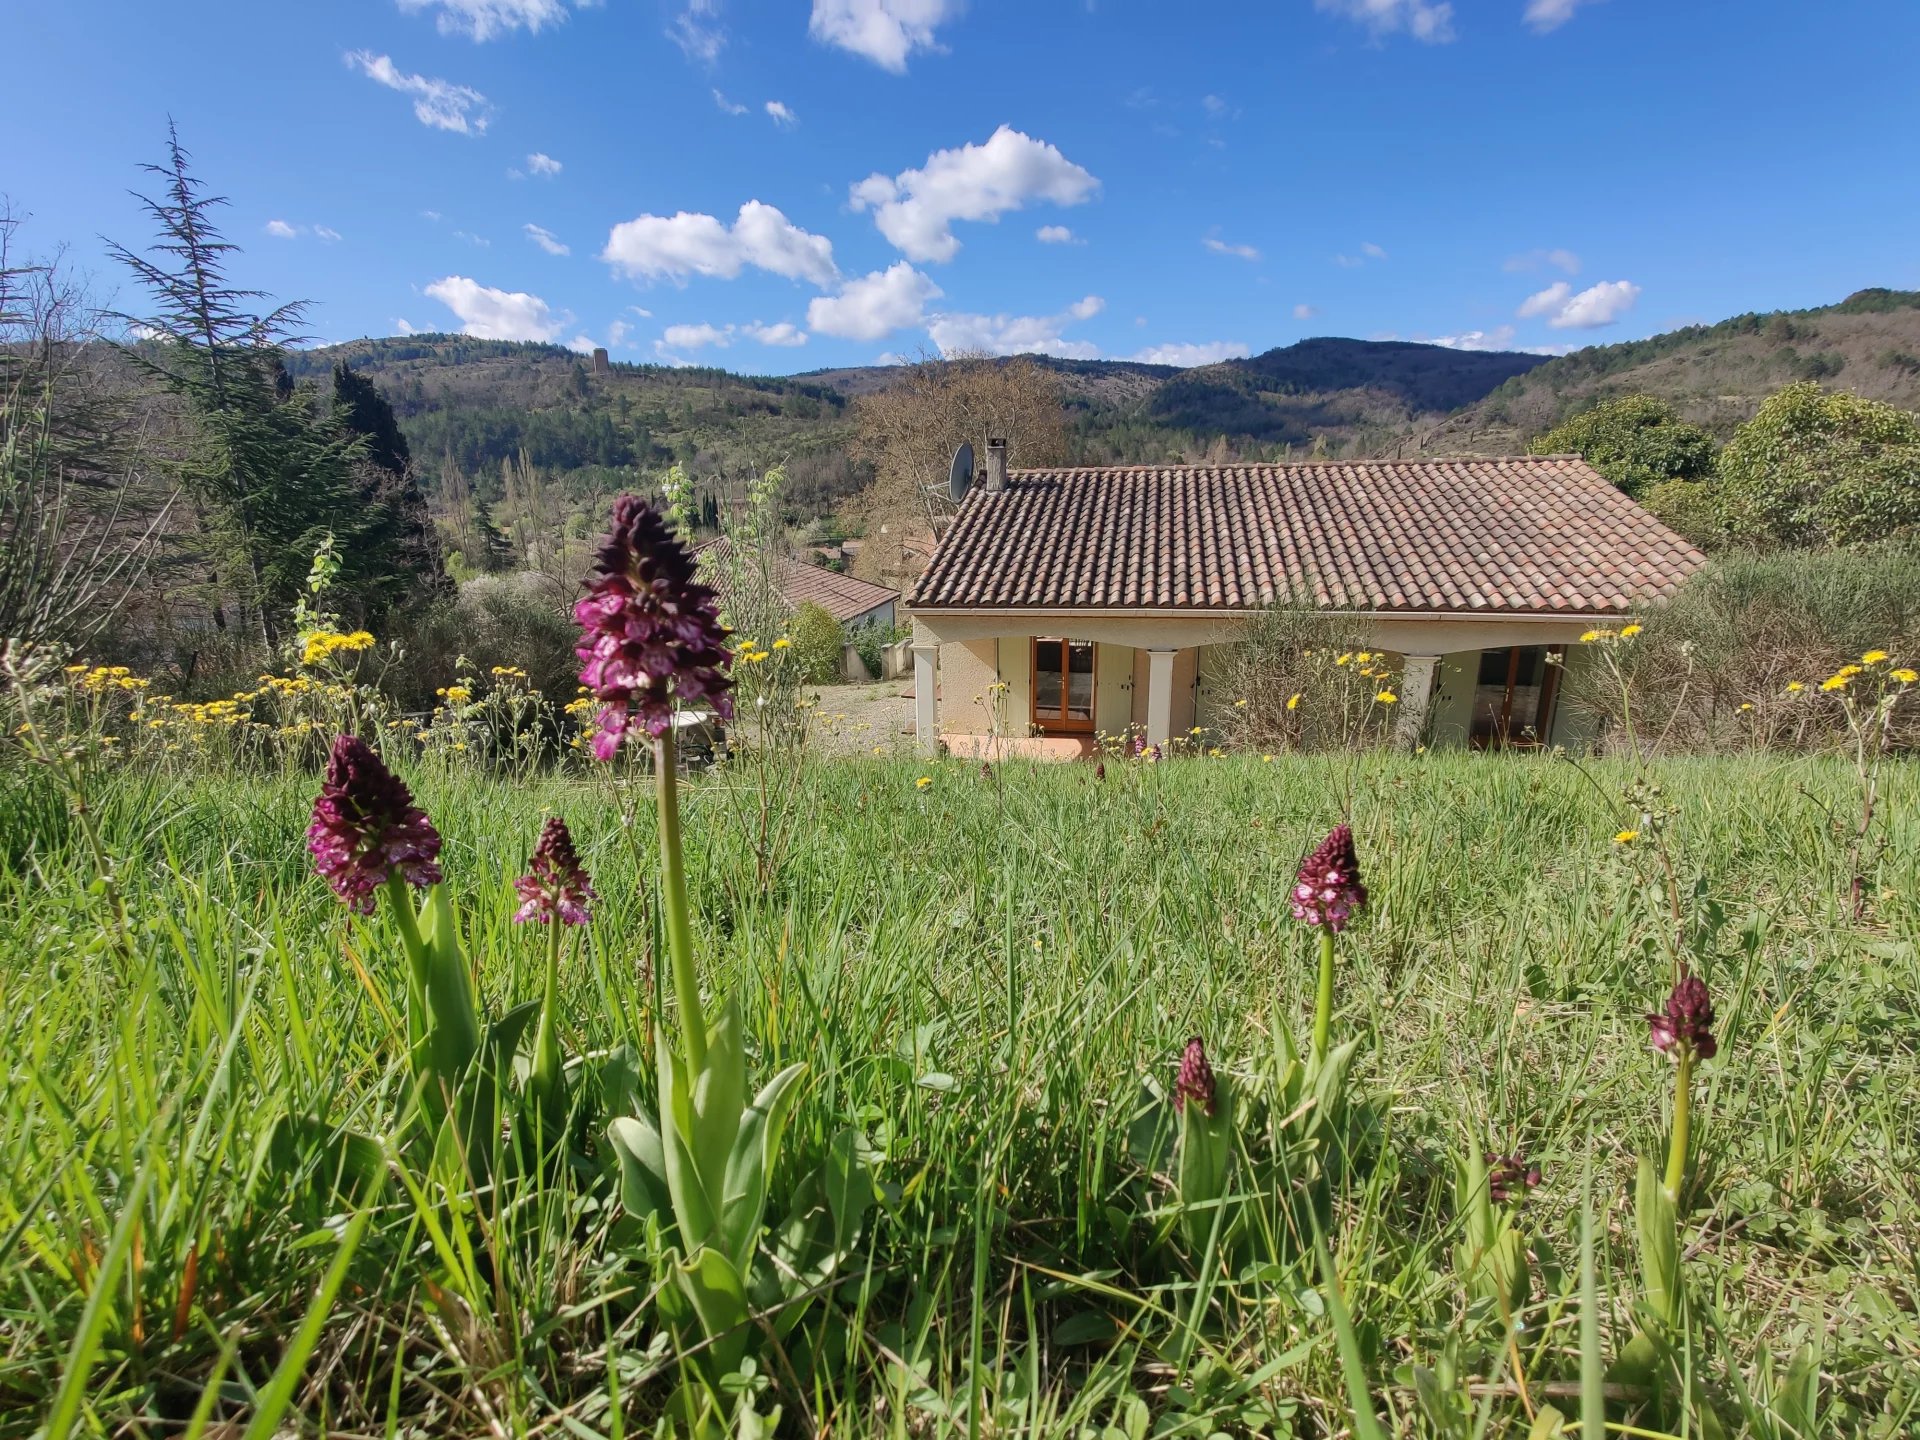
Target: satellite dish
<point>960,475</point>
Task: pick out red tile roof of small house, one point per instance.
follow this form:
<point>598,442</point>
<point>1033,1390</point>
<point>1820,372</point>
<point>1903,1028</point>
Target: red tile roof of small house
<point>841,596</point>
<point>1528,535</point>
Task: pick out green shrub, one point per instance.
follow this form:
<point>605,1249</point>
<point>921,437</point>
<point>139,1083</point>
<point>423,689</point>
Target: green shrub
<point>1820,467</point>
<point>1749,624</point>
<point>819,642</point>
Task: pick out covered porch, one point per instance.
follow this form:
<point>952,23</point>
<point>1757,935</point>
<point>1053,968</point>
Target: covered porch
<point>1051,684</point>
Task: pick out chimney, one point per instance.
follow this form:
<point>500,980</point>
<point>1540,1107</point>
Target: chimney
<point>996,480</point>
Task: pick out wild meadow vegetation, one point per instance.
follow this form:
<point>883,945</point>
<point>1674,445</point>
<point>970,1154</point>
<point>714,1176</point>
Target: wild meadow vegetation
<point>1351,1093</point>
<point>435,1003</point>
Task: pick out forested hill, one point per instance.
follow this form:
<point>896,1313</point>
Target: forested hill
<point>1715,375</point>
<point>474,404</point>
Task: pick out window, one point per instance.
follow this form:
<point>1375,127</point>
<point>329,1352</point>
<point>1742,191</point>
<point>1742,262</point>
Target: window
<point>1513,696</point>
<point>1062,684</point>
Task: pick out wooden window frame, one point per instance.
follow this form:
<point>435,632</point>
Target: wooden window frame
<point>1059,724</point>
<point>1553,661</point>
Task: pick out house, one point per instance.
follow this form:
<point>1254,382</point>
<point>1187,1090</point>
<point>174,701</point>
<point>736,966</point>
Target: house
<point>852,602</point>
<point>1098,598</point>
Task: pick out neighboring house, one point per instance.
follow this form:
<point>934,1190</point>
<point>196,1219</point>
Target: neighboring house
<point>852,602</point>
<point>1098,597</point>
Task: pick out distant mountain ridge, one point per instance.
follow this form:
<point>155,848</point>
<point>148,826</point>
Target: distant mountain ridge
<point>474,403</point>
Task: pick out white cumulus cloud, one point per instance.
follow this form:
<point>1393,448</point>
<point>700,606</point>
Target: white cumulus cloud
<point>884,31</point>
<point>1057,235</point>
<point>437,103</point>
<point>782,333</point>
<point>1187,354</point>
<point>916,209</point>
<point>676,246</point>
<point>1422,19</point>
<point>1221,247</point>
<point>484,19</point>
<point>1304,312</point>
<point>695,337</point>
<point>731,107</point>
<point>1017,334</point>
<point>542,164</point>
<point>546,240</point>
<point>874,305</point>
<point>489,314</point>
<point>281,230</point>
<point>325,233</point>
<point>1589,309</point>
<point>781,115</point>
<point>1544,15</point>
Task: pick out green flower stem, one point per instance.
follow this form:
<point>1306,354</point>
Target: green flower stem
<point>401,902</point>
<point>673,884</point>
<point>547,1064</point>
<point>1682,1117</point>
<point>1323,1006</point>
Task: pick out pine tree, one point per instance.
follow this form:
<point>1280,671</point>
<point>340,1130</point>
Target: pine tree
<point>398,557</point>
<point>272,480</point>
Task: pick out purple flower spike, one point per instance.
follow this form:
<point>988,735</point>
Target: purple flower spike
<point>1510,1177</point>
<point>1196,1078</point>
<point>556,883</point>
<point>1329,891</point>
<point>1687,1021</point>
<point>650,633</point>
<point>366,826</point>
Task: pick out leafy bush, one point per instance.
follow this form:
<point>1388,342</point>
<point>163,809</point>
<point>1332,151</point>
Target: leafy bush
<point>1298,683</point>
<point>1636,441</point>
<point>1822,467</point>
<point>819,642</point>
<point>1748,625</point>
<point>519,620</point>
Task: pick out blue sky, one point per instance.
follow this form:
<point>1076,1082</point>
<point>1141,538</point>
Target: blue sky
<point>785,186</point>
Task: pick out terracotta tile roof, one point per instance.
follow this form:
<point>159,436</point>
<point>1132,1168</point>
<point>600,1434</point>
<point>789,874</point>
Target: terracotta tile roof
<point>841,596</point>
<point>1530,535</point>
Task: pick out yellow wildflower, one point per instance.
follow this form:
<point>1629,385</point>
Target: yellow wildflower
<point>1593,635</point>
<point>1386,697</point>
<point>322,644</point>
<point>782,643</point>
<point>1905,675</point>
<point>923,782</point>
<point>1874,657</point>
<point>1627,632</point>
<point>1794,687</point>
<point>1835,682</point>
<point>1626,837</point>
<point>1293,701</point>
<point>1342,659</point>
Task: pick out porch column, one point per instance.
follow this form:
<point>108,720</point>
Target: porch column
<point>1159,696</point>
<point>1416,697</point>
<point>926,724</point>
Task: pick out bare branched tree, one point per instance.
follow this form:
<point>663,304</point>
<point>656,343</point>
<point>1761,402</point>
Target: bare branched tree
<point>76,528</point>
<point>910,430</point>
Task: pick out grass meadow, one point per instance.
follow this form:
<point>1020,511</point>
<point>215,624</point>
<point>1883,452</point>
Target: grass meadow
<point>991,977</point>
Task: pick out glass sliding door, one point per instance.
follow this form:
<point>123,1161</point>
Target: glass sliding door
<point>1513,696</point>
<point>1063,681</point>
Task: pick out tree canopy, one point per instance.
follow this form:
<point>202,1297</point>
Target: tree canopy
<point>1819,467</point>
<point>1636,441</point>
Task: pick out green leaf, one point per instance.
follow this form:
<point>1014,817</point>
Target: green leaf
<point>718,1092</point>
<point>712,1284</point>
<point>643,1165</point>
<point>754,1150</point>
<point>1658,1230</point>
<point>849,1186</point>
<point>1796,1402</point>
<point>695,1210</point>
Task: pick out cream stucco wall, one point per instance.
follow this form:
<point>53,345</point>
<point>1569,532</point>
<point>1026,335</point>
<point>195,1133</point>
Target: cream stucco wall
<point>978,648</point>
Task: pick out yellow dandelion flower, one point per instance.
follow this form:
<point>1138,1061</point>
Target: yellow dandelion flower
<point>782,643</point>
<point>1874,657</point>
<point>1627,632</point>
<point>1593,635</point>
<point>923,782</point>
<point>1386,697</point>
<point>1626,837</point>
<point>1342,659</point>
<point>1747,705</point>
<point>1794,687</point>
<point>1266,759</point>
<point>1835,682</point>
<point>1905,675</point>
<point>1240,704</point>
<point>1293,701</point>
